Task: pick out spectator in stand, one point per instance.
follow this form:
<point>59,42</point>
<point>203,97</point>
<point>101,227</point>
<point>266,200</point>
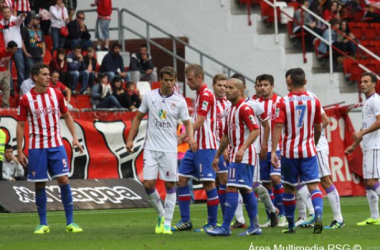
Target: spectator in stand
<point>104,9</point>
<point>134,94</point>
<point>113,64</point>
<point>23,7</point>
<point>101,94</point>
<point>78,33</point>
<point>122,97</point>
<point>12,170</point>
<point>59,63</point>
<point>77,70</point>
<point>332,12</point>
<point>42,7</point>
<point>141,66</point>
<point>10,4</point>
<point>323,47</point>
<point>11,30</point>
<point>59,18</point>
<point>373,11</point>
<point>56,84</point>
<point>91,65</point>
<point>26,86</point>
<point>71,6</point>
<point>33,44</point>
<point>307,19</point>
<point>347,44</point>
<point>5,80</point>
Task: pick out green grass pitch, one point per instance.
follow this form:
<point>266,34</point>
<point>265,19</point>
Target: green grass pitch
<point>134,229</point>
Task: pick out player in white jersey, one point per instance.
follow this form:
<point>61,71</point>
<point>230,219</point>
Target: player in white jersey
<point>370,134</point>
<point>165,108</point>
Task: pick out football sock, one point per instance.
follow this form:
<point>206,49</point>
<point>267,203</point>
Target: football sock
<point>278,194</point>
<point>222,196</point>
<point>289,201</point>
<point>376,188</point>
<point>333,196</point>
<point>184,203</point>
<point>301,207</point>
<point>250,202</point>
<point>239,210</point>
<point>155,201</point>
<point>264,197</point>
<point>231,204</point>
<point>271,196</point>
<point>41,205</point>
<point>317,200</point>
<point>373,201</point>
<point>170,200</point>
<point>67,200</point>
<point>303,192</point>
<point>212,206</point>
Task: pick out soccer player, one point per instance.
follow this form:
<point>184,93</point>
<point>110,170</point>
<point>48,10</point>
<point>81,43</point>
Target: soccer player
<point>198,165</point>
<point>300,114</point>
<point>219,83</point>
<point>270,176</point>
<point>240,132</point>
<point>43,106</point>
<point>165,108</point>
<point>370,134</point>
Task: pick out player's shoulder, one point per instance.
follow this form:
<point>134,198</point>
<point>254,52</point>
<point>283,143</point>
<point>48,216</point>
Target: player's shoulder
<point>207,93</point>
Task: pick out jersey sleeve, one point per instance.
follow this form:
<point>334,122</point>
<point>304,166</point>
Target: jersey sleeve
<point>206,102</point>
<point>22,109</point>
<point>247,115</point>
<point>183,111</point>
<point>62,87</point>
<point>318,112</point>
<point>61,102</point>
<point>225,130</point>
<point>144,104</point>
<point>280,112</point>
<point>376,106</point>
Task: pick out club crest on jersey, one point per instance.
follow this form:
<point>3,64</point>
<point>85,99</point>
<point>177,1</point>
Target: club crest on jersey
<point>252,119</point>
<point>173,106</point>
<point>204,105</point>
<point>162,114</point>
<point>277,112</point>
<point>33,173</point>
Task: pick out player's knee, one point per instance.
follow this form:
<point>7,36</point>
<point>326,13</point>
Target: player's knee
<point>289,189</point>
<point>276,179</point>
<point>326,182</point>
<point>222,178</point>
<point>169,185</point>
<point>63,180</point>
<point>208,185</point>
<point>182,181</point>
<point>149,184</point>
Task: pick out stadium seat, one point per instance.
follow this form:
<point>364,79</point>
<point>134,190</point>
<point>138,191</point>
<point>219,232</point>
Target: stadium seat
<point>370,33</point>
<point>294,5</point>
<point>376,44</point>
<point>356,30</point>
<point>156,85</point>
<point>83,102</point>
<point>347,67</point>
<point>48,42</point>
<point>47,58</point>
<point>363,27</point>
<point>143,87</point>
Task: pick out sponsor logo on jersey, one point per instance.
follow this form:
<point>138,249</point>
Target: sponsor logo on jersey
<point>204,105</point>
<point>277,113</point>
<point>161,124</point>
<point>162,114</point>
<point>252,119</point>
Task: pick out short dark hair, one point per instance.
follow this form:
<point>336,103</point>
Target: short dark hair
<point>78,47</point>
<point>128,84</point>
<point>11,45</point>
<point>297,76</point>
<point>101,76</point>
<point>288,72</point>
<point>116,45</point>
<point>167,70</point>
<point>143,46</point>
<point>36,68</point>
<point>54,72</point>
<point>79,13</point>
<point>8,146</point>
<point>370,74</point>
<point>61,51</point>
<point>239,76</point>
<point>267,77</point>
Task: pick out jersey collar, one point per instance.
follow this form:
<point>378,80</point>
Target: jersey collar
<point>165,96</point>
<point>201,89</point>
<point>239,102</point>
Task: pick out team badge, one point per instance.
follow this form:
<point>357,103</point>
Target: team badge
<point>33,173</point>
<point>204,105</point>
<point>173,106</point>
<point>252,119</point>
<point>277,112</point>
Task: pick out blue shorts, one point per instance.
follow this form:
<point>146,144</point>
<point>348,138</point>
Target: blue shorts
<point>240,175</point>
<point>43,160</point>
<point>198,165</point>
<point>223,165</point>
<point>102,29</point>
<point>267,169</point>
<point>304,169</point>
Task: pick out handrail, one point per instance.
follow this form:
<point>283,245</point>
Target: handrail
<point>150,25</point>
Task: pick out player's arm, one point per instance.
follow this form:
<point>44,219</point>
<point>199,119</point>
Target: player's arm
<point>276,135</point>
<point>68,94</point>
<point>222,147</point>
<point>196,125</point>
<point>71,126</point>
<point>19,137</point>
<point>375,126</point>
<point>264,143</point>
<point>317,132</point>
<point>325,120</point>
<point>352,147</point>
<point>133,131</point>
<point>189,131</point>
<point>251,138</point>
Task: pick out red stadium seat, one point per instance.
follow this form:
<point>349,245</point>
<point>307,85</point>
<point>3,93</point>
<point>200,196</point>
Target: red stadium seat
<point>357,30</point>
<point>156,85</point>
<point>294,5</point>
<point>48,42</point>
<point>83,101</point>
<point>347,67</point>
<point>370,33</point>
<point>47,58</point>
<point>376,26</point>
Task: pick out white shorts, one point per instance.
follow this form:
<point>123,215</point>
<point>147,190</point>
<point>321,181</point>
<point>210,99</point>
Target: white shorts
<point>256,171</point>
<point>371,164</point>
<point>164,163</point>
<point>323,164</point>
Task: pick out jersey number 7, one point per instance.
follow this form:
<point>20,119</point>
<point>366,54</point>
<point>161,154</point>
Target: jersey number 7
<point>300,111</point>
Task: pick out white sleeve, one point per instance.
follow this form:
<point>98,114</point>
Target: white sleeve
<point>144,104</point>
<point>183,111</point>
<point>376,106</point>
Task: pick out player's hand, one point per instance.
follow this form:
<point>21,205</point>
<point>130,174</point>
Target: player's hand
<point>275,161</point>
<point>239,155</point>
<point>13,179</point>
<point>357,136</point>
<point>23,15</point>
<point>22,159</point>
<point>129,146</point>
<point>226,156</point>
<point>77,144</point>
<point>349,150</point>
<point>215,164</point>
<point>263,152</point>
<point>193,144</point>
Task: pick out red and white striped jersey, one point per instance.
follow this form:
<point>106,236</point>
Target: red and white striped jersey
<point>260,116</point>
<point>299,111</point>
<point>43,113</point>
<point>240,121</point>
<point>270,110</point>
<point>221,106</point>
<point>21,5</point>
<point>205,105</point>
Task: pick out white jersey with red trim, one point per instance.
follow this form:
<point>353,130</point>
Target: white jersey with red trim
<point>43,112</point>
<point>298,111</point>
<point>260,116</point>
<point>270,110</point>
<point>221,107</point>
<point>371,109</point>
<point>11,30</point>
<point>240,121</point>
<point>205,105</point>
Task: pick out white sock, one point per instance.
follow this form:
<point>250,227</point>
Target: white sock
<point>263,194</point>
<point>155,201</point>
<point>169,208</point>
<point>301,207</point>
<point>334,200</point>
<point>303,192</point>
<point>239,211</point>
<point>373,201</point>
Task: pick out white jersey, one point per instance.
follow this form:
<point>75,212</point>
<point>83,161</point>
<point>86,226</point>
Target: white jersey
<point>261,116</point>
<point>370,110</point>
<point>164,113</point>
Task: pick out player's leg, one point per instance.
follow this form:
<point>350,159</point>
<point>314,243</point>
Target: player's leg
<point>222,176</point>
<point>41,200</point>
<point>275,176</point>
<point>239,215</point>
<point>265,168</point>
<point>304,194</point>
